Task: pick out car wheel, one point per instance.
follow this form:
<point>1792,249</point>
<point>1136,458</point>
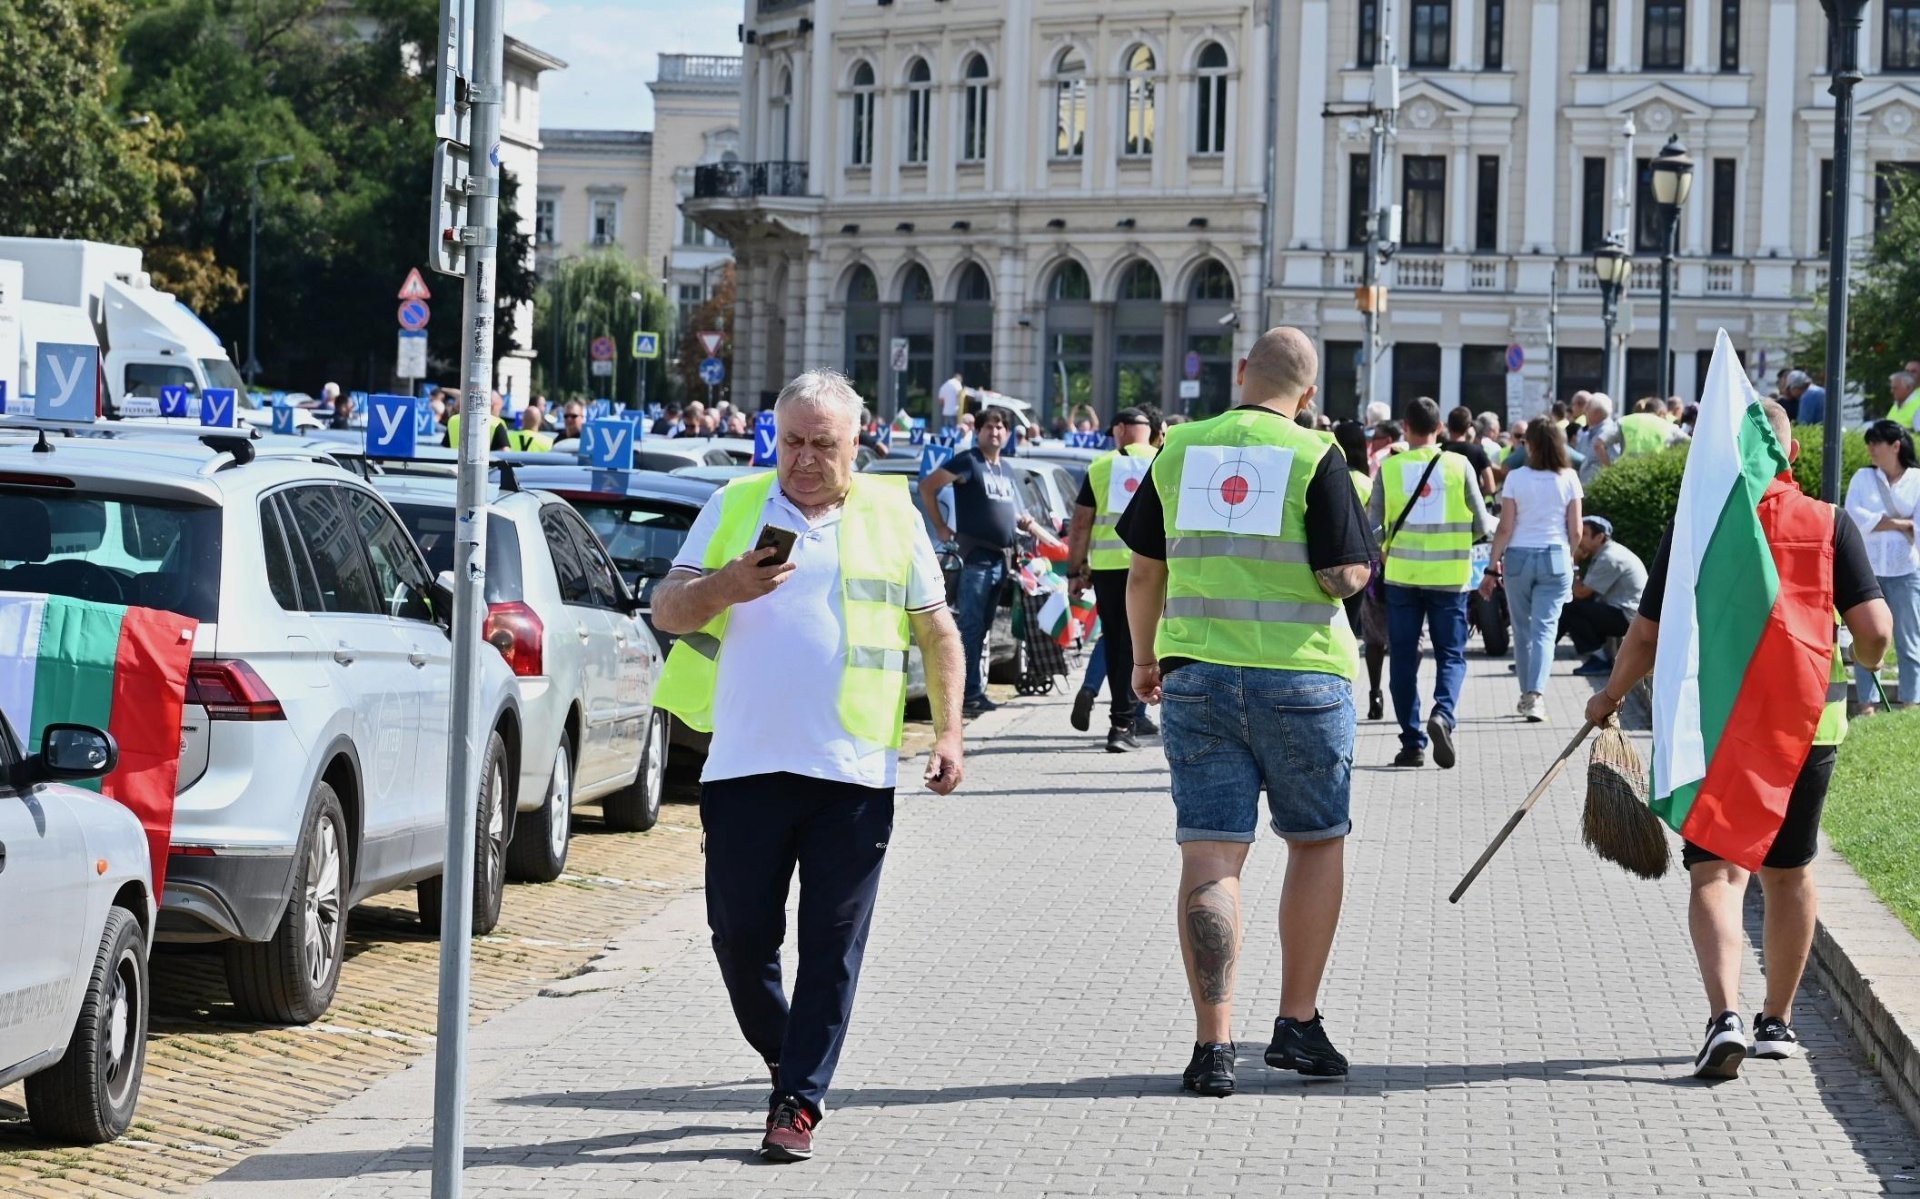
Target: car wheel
<point>290,977</point>
<point>636,807</point>
<point>538,851</point>
<point>489,850</point>
<point>89,1095</point>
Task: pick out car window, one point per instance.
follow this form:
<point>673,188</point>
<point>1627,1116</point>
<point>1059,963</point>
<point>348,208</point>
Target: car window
<point>273,540</point>
<point>147,378</point>
<point>331,541</point>
<point>111,549</point>
<point>633,533</point>
<point>397,572</point>
<point>569,571</point>
<point>433,531</point>
<point>306,583</point>
<point>593,556</point>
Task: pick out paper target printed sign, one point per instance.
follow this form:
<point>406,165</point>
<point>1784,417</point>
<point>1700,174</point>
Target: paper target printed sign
<point>1430,505</point>
<point>1233,489</point>
<point>1129,474</point>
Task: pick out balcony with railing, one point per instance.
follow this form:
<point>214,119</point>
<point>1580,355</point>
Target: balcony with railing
<point>699,68</point>
<point>1432,272</point>
<point>748,180</point>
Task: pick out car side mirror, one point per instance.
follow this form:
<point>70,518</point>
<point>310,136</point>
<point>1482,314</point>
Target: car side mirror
<point>69,753</point>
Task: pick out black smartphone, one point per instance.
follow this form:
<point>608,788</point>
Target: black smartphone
<point>780,541</point>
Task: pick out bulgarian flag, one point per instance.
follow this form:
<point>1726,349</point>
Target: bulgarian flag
<point>69,661</point>
<point>1741,672</point>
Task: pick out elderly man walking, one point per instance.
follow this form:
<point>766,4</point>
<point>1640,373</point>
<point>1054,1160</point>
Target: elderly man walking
<point>794,597</point>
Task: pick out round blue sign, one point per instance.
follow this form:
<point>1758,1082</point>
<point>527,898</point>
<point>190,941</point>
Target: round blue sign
<point>1193,364</point>
<point>414,315</point>
<point>1516,357</point>
<point>712,371</point>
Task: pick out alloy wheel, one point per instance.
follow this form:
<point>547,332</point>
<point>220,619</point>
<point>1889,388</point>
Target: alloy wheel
<point>323,903</point>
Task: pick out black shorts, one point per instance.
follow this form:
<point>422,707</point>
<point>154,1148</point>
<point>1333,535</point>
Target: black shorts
<point>1799,838</point>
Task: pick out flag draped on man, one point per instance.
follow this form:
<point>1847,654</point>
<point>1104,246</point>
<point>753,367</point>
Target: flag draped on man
<point>1744,660</point>
<point>121,669</point>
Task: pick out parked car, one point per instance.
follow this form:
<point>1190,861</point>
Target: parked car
<point>76,890</point>
<point>314,740</point>
<point>662,453</point>
<point>564,621</point>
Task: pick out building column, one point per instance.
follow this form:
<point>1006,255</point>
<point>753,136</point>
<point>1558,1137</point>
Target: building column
<point>1464,54</point>
<point>1009,118</point>
<point>1103,372</point>
<point>1459,200</point>
<point>1543,142</point>
<point>1014,368</point>
<point>1308,152</point>
<point>889,400</point>
<point>1173,326</point>
<point>943,346</point>
<point>1622,13</point>
<point>1449,397</point>
<point>1777,123</point>
<point>1700,59</point>
<point>814,329</point>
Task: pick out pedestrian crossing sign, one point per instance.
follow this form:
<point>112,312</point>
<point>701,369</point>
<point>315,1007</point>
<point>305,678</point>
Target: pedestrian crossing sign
<point>646,345</point>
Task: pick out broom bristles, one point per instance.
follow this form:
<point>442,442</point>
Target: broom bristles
<point>1617,824</point>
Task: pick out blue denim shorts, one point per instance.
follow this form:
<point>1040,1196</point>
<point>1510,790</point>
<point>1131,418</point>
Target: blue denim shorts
<point>1229,730</point>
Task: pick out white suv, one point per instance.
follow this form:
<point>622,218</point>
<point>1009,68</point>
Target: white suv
<point>77,896</point>
<point>564,620</point>
<point>314,740</point>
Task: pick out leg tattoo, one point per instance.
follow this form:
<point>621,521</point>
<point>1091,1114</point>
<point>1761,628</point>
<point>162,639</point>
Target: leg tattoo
<point>1212,920</point>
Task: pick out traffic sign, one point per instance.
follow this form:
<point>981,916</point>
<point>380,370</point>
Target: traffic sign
<point>764,436</point>
<point>174,400</point>
<point>68,384</point>
<point>713,371</point>
<point>1192,364</point>
<point>391,432</point>
<point>646,345</point>
<point>933,456</point>
<point>601,369</point>
<point>712,341</point>
<point>900,348</point>
<point>1189,389</point>
<point>283,418</point>
<point>602,349</point>
<point>1516,357</point>
<point>219,407</point>
<point>415,288</point>
<point>612,444</point>
<point>410,361</point>
<point>414,315</point>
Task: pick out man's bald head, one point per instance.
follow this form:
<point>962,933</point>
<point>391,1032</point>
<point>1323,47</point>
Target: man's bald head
<point>1781,422</point>
<point>1281,366</point>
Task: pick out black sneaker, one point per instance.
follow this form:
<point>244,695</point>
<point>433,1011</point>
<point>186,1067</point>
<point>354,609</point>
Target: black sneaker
<point>1441,734</point>
<point>1596,665</point>
<point>1143,725</point>
<point>1082,717</point>
<point>1120,741</point>
<point>1772,1039</point>
<point>1302,1046</point>
<point>1410,757</point>
<point>1375,709</point>
<point>978,707</point>
<point>1211,1070</point>
<point>1727,1046</point>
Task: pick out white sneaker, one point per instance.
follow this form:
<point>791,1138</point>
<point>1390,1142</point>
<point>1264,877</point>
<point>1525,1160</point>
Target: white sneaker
<point>1530,707</point>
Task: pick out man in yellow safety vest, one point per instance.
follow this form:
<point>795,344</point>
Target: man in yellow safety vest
<point>1246,535</point>
<point>496,429</point>
<point>1097,557</point>
<point>1906,401</point>
<point>794,597</point>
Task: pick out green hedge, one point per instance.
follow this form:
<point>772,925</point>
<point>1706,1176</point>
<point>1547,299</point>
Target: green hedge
<point>1640,494</point>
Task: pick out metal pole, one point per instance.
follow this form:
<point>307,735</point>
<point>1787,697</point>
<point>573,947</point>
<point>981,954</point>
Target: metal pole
<point>1553,335</point>
<point>1843,27</point>
<point>253,289</point>
<point>1609,311</point>
<point>468,732</point>
<point>1370,265</point>
<point>1267,232</point>
<point>1666,302</point>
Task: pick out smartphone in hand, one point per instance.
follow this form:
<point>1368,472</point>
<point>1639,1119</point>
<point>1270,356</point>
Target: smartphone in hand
<point>780,541</point>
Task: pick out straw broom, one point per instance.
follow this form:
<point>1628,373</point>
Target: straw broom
<point>1617,824</point>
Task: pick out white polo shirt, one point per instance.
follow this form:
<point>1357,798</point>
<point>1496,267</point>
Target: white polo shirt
<point>776,706</point>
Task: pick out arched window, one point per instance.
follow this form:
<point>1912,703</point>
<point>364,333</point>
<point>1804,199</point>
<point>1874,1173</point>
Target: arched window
<point>916,325</point>
<point>1139,337</point>
<point>973,326</point>
<point>1070,283</point>
<point>861,139</point>
<point>863,331</point>
<point>1211,282</point>
<point>919,110</point>
<point>1068,340</point>
<point>973,126</point>
<point>1069,105</point>
<point>1210,295</point>
<point>1210,101</point>
<point>1138,139</point>
<point>783,116</point>
<point>1140,282</point>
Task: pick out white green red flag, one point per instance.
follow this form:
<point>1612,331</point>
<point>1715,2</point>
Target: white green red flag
<point>1737,692</point>
<point>121,669</point>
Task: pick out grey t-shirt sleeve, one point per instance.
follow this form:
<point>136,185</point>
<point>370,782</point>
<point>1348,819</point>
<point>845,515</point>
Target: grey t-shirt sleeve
<point>1482,519</point>
<point>1601,575</point>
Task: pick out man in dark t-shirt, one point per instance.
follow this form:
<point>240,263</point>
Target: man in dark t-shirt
<point>1718,887</point>
<point>1463,439</point>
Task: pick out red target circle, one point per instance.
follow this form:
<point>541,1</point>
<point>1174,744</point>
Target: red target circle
<point>1234,490</point>
<point>1131,485</point>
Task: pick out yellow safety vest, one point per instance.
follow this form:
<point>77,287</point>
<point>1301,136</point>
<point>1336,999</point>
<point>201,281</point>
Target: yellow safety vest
<point>453,429</point>
<point>1362,484</point>
<point>1903,414</point>
<point>1642,433</point>
<point>1432,554</point>
<point>877,528</point>
<point>528,439</point>
<point>1107,551</point>
<point>1248,599</point>
<point>1833,717</point>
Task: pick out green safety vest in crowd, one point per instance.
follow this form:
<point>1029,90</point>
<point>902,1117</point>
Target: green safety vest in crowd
<point>1107,551</point>
<point>1903,414</point>
<point>453,429</point>
<point>1363,484</point>
<point>877,529</point>
<point>1833,717</point>
<point>1434,554</point>
<point>1643,433</point>
<point>528,439</point>
<point>1246,598</point>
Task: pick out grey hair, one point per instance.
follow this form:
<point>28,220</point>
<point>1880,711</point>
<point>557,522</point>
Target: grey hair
<point>1488,424</point>
<point>822,388</point>
<point>1902,378</point>
<point>1378,411</point>
<point>1598,402</point>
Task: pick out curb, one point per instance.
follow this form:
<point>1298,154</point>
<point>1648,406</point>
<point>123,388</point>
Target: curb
<point>1870,964</point>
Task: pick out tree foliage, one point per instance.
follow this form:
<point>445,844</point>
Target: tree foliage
<point>1884,295</point>
<point>587,297</point>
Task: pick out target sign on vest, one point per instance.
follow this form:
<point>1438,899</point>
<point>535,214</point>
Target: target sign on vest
<point>1128,474</point>
<point>1234,489</point>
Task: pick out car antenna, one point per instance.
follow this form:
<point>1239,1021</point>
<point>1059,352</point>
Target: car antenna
<point>509,479</point>
<point>41,446</point>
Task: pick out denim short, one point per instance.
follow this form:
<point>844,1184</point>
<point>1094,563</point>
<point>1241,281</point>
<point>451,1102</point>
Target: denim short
<point>1229,730</point>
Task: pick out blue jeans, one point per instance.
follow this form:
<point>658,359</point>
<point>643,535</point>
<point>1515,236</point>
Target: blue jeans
<point>981,574</point>
<point>1230,730</point>
<point>1539,582</point>
<point>1903,596</point>
<point>1444,613</point>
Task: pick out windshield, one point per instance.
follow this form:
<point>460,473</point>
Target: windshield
<point>111,550</point>
<point>220,373</point>
<point>433,531</point>
<point>635,531</point>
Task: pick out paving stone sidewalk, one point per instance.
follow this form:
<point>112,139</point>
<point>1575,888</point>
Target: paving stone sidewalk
<point>1023,1019</point>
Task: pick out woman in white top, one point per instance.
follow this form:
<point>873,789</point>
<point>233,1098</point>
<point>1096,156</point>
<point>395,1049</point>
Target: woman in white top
<point>1882,500</point>
<point>1533,554</point>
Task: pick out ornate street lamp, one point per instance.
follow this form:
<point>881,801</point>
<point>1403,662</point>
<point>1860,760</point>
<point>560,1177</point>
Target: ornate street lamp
<point>1672,181</point>
<point>1612,266</point>
<point>1843,33</point>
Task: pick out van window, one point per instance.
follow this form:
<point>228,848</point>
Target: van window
<point>147,378</point>
<point>112,550</point>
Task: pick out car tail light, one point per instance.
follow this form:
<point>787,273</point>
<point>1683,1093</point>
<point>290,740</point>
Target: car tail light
<point>229,689</point>
<point>515,630</point>
<point>193,851</point>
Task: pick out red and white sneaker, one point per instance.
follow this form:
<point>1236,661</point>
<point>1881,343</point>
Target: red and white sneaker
<point>789,1133</point>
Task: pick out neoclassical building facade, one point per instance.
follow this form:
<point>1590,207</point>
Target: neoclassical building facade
<point>1067,201</point>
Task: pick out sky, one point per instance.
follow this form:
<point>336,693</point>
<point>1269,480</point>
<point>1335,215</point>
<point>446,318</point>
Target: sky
<point>611,48</point>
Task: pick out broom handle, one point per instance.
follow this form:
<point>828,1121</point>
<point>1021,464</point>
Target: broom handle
<point>1513,822</point>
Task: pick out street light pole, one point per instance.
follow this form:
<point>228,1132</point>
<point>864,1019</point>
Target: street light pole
<point>1672,181</point>
<point>1843,30</point>
<point>253,255</point>
<point>1612,266</point>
